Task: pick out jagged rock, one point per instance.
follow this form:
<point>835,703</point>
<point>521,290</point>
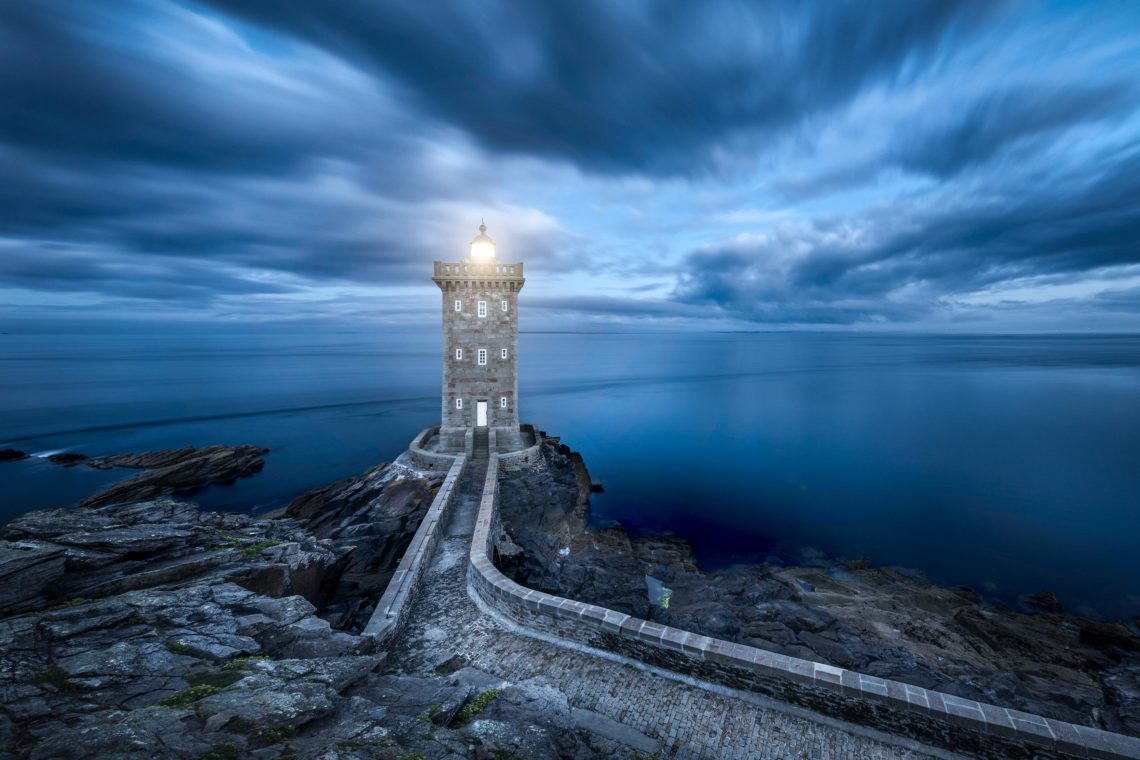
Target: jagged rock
<point>284,692</point>
<point>176,471</point>
<point>151,460</point>
<point>12,455</point>
<point>132,735</point>
<point>798,617</point>
<point>118,548</point>
<point>146,537</point>
<point>26,567</point>
<point>1042,601</point>
<point>1111,635</point>
<point>110,662</point>
<point>368,521</point>
<point>49,523</point>
<point>67,458</point>
<point>1122,687</point>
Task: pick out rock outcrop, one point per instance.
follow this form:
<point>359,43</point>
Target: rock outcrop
<point>176,471</point>
<point>154,629</point>
<point>12,455</point>
<point>56,556</point>
<point>67,458</point>
<point>370,520</point>
<point>889,622</point>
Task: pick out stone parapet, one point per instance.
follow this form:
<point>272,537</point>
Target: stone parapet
<point>391,610</point>
<point>518,458</point>
<point>429,460</point>
<point>959,724</point>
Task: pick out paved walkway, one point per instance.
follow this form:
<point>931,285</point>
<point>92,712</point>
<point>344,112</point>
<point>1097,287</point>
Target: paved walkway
<point>649,712</point>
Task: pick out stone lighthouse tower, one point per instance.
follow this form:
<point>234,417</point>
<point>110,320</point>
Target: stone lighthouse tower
<point>480,345</point>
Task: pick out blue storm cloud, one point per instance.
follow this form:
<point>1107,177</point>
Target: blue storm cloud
<point>908,163</point>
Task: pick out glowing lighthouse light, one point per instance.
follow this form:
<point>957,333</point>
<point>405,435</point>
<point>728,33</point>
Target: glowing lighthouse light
<point>482,247</point>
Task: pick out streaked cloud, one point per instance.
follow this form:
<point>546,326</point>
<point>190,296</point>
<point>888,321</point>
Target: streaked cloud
<point>911,164</point>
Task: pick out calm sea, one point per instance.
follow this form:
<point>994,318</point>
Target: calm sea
<point>1008,463</point>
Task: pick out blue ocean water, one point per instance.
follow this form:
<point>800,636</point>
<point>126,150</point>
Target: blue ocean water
<point>1009,463</point>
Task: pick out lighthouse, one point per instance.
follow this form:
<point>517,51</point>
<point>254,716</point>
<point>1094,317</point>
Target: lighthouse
<point>480,345</point>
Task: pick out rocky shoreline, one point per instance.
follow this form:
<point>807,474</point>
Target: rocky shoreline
<point>884,621</point>
<point>154,628</point>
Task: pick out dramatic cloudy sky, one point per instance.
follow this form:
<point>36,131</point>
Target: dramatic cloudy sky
<point>912,164</point>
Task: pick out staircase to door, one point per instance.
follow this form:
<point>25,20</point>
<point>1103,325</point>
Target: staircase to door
<point>480,449</point>
<point>470,487</point>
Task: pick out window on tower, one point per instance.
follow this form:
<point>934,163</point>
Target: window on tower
<point>458,305</point>
<point>504,353</point>
<point>458,403</point>
<point>482,308</point>
<point>459,354</point>
<point>504,305</point>
<point>482,356</point>
<point>502,402</point>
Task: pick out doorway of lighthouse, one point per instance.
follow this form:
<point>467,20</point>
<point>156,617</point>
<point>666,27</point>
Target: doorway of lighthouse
<point>481,414</point>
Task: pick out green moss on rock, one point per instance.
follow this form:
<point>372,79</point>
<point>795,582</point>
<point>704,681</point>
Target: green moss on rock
<point>189,696</point>
<point>477,706</point>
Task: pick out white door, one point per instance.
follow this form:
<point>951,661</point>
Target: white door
<point>481,413</point>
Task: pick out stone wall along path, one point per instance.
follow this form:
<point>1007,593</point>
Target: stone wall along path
<point>645,710</point>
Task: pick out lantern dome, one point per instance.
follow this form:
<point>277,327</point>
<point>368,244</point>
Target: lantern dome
<point>482,246</point>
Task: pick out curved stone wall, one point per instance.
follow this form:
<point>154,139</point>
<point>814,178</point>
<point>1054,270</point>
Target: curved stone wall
<point>958,724</point>
<point>531,456</point>
<point>391,610</point>
<point>428,460</point>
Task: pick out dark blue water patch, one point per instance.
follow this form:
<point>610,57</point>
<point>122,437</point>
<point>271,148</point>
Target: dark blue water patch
<point>36,483</point>
<point>1011,474</point>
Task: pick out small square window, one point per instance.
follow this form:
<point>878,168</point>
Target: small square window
<point>512,270</point>
<point>504,303</point>
<point>504,353</point>
<point>482,356</point>
<point>458,403</point>
<point>482,308</point>
<point>502,402</point>
<point>458,305</point>
<point>459,353</point>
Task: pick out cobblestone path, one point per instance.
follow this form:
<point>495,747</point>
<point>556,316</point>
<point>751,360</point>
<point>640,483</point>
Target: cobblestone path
<point>637,708</point>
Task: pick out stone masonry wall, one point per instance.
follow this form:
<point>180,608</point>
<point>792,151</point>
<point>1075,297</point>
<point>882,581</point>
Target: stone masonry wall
<point>469,283</point>
<point>531,456</point>
<point>958,724</point>
<point>391,610</point>
<point>428,460</point>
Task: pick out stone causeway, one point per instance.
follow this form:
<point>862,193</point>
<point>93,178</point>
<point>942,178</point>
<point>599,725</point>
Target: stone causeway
<point>659,690</point>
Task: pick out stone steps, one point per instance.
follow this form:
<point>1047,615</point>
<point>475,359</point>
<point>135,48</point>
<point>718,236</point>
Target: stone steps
<point>469,489</point>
